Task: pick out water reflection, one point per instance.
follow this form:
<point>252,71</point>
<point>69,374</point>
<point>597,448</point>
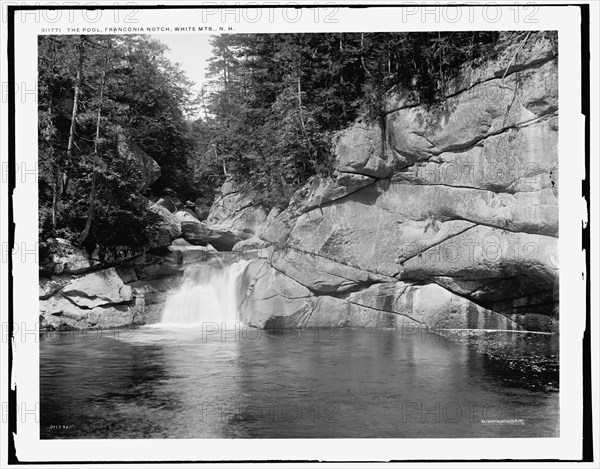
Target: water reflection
<point>183,383</point>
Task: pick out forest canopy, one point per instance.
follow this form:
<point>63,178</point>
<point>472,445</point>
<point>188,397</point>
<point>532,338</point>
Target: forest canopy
<point>97,96</point>
<point>267,117</point>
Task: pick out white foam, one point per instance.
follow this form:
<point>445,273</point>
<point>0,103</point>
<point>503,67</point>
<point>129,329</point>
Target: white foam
<point>209,294</point>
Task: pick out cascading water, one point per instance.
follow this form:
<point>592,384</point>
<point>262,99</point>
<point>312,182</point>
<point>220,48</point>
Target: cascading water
<point>209,293</point>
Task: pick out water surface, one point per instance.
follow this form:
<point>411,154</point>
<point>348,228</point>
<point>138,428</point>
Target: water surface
<point>169,382</point>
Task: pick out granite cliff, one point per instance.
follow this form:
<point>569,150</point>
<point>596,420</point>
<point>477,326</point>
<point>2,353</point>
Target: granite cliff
<point>444,215</point>
<point>441,215</point>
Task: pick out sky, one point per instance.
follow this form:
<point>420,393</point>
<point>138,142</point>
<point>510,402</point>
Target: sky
<point>189,50</point>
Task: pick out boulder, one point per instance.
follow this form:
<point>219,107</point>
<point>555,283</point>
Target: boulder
<point>198,234</point>
<point>101,300</point>
<point>101,317</point>
<point>104,287</point>
<point>168,221</point>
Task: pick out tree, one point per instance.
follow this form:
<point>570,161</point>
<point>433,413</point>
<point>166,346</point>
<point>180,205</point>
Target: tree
<point>96,157</point>
<point>277,99</point>
<point>100,95</point>
<point>76,93</point>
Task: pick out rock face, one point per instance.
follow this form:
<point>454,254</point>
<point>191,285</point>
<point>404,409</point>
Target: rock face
<point>129,295</point>
<point>169,223</point>
<point>273,300</point>
<point>237,208</point>
<point>97,289</point>
<point>447,216</point>
<point>99,299</point>
<point>360,150</point>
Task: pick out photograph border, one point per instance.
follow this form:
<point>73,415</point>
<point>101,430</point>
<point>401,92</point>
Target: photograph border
<point>587,441</point>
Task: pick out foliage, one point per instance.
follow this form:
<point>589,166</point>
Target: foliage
<point>277,99</point>
<point>274,103</point>
<point>127,91</point>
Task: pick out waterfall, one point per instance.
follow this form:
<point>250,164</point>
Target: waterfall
<point>209,293</point>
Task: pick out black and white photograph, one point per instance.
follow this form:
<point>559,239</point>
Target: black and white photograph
<point>292,227</point>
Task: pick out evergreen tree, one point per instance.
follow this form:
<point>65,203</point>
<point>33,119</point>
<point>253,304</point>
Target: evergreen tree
<point>273,105</point>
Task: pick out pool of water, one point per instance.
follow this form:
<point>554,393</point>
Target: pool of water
<point>168,382</point>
